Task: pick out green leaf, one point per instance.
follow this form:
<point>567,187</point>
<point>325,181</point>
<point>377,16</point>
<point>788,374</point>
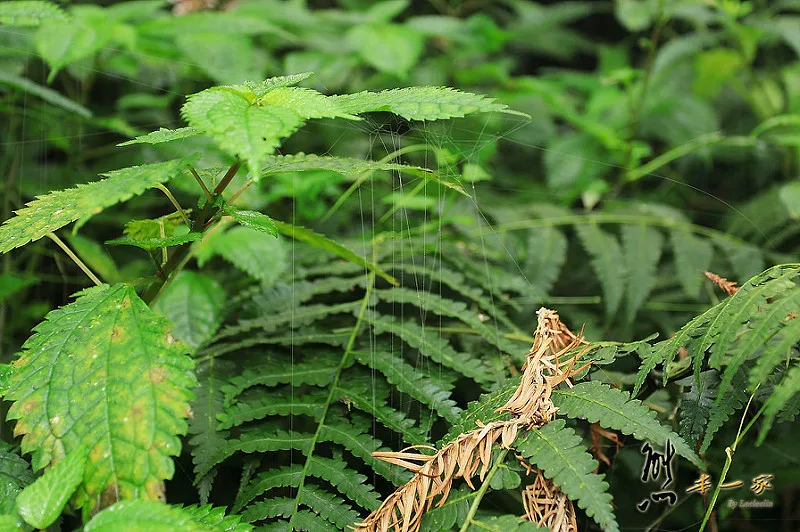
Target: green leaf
<point>156,242</point>
<point>714,69</point>
<point>193,303</point>
<point>41,503</point>
<point>225,57</point>
<point>29,13</point>
<point>348,167</point>
<point>163,135</point>
<point>104,372</point>
<point>205,439</point>
<point>642,249</point>
<point>546,252</point>
<point>15,474</point>
<point>144,516</point>
<point>63,42</point>
<point>48,95</point>
<point>783,393</point>
<point>560,454</point>
<point>322,242</point>
<point>692,257</point>
<point>612,408</point>
<point>252,219</point>
<point>95,256</point>
<point>725,404</point>
<point>389,48</point>
<point>607,261</point>
<point>420,103</point>
<point>57,209</point>
<point>260,255</point>
<point>790,196</point>
<point>11,283</point>
<point>505,523</point>
<point>216,518</point>
<point>636,15</point>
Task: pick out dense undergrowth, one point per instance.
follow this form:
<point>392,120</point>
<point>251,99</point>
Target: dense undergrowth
<point>307,302</point>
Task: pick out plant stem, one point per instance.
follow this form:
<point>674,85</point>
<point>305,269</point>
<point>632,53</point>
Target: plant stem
<point>729,458</point>
<point>201,183</point>
<point>175,203</point>
<point>75,258</point>
<point>482,490</point>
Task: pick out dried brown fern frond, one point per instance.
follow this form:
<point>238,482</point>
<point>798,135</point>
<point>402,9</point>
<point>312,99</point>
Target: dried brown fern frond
<point>728,286</point>
<point>546,505</point>
<point>471,453</point>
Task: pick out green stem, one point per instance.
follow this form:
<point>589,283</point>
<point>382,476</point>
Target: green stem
<point>75,258</point>
<point>175,203</point>
<point>201,183</point>
<point>482,490</point>
<point>348,351</point>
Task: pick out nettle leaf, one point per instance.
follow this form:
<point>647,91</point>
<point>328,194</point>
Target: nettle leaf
<point>421,103</point>
<point>48,213</point>
<point>41,503</point>
<point>252,219</point>
<point>193,303</point>
<point>63,42</point>
<point>348,167</point>
<point>560,454</point>
<point>29,13</point>
<point>155,242</point>
<point>598,402</point>
<point>260,255</point>
<point>607,261</point>
<point>322,242</point>
<point>104,372</point>
<point>163,135</point>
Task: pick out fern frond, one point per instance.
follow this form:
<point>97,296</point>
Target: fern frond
<point>776,350</point>
<point>216,518</point>
<point>254,406</point>
<point>346,481</point>
<point>26,13</point>
<point>104,372</point>
<point>505,523</point>
<point>420,103</point>
<point>298,317</point>
<point>412,382</point>
<point>282,477</point>
<point>607,261</point>
<point>152,515</point>
<point>642,250</point>
<point>327,505</point>
<point>692,256</point>
<point>695,405</point>
<point>745,260</point>
<point>163,135</point>
<point>282,296</point>
<point>433,346</point>
<point>726,402</point>
<point>546,253</point>
<point>49,213</point>
<point>612,408</point>
<point>485,410</point>
<point>788,387</point>
<point>559,453</point>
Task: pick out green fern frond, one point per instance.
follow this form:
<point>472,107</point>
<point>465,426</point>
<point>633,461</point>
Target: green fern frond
<point>216,518</point>
<point>788,388</point>
<point>642,250</point>
<point>546,254</point>
<point>282,296</point>
<point>692,256</point>
<point>776,349</point>
<point>562,457</point>
<point>282,477</point>
<point>26,13</point>
<point>349,483</point>
<point>726,402</point>
<point>607,261</point>
<point>420,103</point>
<point>483,410</point>
<point>49,213</point>
<point>695,405</point>
<point>412,382</point>
<point>256,405</point>
<point>433,346</point>
<point>163,135</point>
<point>505,523</point>
<point>327,505</point>
<point>612,408</point>
<point>298,317</point>
<point>104,372</point>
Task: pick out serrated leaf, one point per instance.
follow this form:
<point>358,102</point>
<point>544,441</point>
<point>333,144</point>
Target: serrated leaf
<point>29,13</point>
<point>560,454</point>
<point>104,372</point>
<point>420,103</point>
<point>193,303</point>
<point>15,474</point>
<point>205,438</point>
<point>48,213</point>
<point>608,263</point>
<point>41,503</point>
<point>692,257</point>
<point>612,408</point>
<point>144,516</point>
<point>322,242</point>
<point>349,167</point>
<point>157,242</point>
<point>695,405</point>
<point>216,518</point>
<point>252,219</point>
<point>725,404</point>
<point>642,249</point>
<point>163,135</point>
<point>260,255</point>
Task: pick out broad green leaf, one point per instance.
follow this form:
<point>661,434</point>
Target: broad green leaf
<point>156,242</point>
<point>252,219</point>
<point>48,213</point>
<point>62,42</point>
<point>41,503</point>
<point>714,69</point>
<point>636,15</point>
<point>390,48</point>
<point>349,167</point>
<point>163,135</point>
<point>29,13</point>
<point>193,303</point>
<point>104,372</point>
<point>48,95</point>
<point>420,103</point>
<point>259,254</point>
<point>560,454</point>
<point>322,242</point>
